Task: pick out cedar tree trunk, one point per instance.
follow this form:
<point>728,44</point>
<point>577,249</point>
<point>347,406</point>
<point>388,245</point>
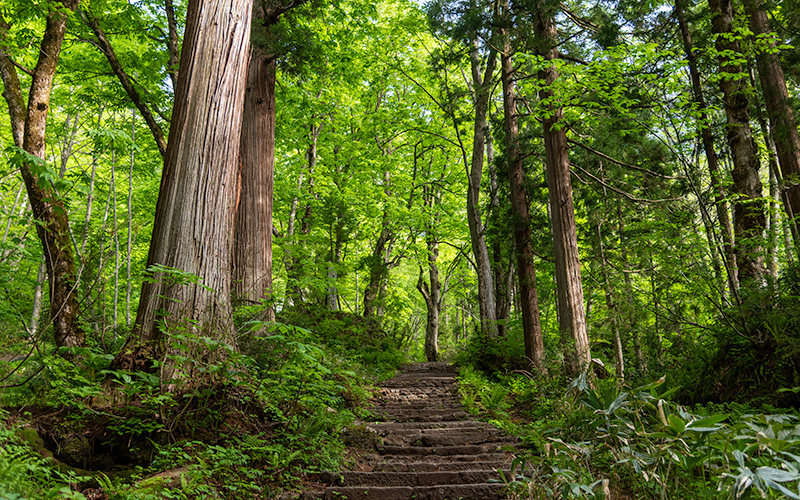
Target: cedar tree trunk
<point>748,219</point>
<point>571,314</point>
<point>195,210</point>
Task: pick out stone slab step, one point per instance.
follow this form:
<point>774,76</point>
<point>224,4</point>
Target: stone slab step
<point>386,427</point>
<point>441,451</point>
<point>480,491</point>
<point>428,478</point>
<point>405,466</point>
<point>449,439</point>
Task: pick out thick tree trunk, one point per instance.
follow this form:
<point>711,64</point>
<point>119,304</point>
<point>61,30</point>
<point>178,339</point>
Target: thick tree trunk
<point>571,313</point>
<point>779,110</point>
<point>195,210</point>
<point>529,300</point>
<point>704,127</point>
<point>28,128</point>
<point>482,87</point>
<point>252,269</point>
<point>748,219</point>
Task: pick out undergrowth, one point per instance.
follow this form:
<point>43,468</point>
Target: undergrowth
<point>600,439</point>
<point>272,411</point>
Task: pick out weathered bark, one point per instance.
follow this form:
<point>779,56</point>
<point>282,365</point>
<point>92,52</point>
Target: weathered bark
<point>704,127</point>
<point>252,269</point>
<point>571,313</point>
<point>779,110</point>
<point>195,210</point>
<point>482,88</point>
<point>52,224</point>
<point>748,219</point>
<point>529,300</point>
<point>125,81</point>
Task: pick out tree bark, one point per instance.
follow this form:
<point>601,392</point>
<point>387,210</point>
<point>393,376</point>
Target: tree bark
<point>195,210</point>
<point>52,224</point>
<point>779,110</point>
<point>531,323</point>
<point>571,313</point>
<point>704,127</point>
<point>252,269</point>
<point>748,219</point>
<point>482,88</point>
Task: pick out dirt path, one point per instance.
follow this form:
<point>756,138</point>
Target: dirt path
<point>421,445</point>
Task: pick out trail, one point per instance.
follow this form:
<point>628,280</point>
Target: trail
<point>422,445</point>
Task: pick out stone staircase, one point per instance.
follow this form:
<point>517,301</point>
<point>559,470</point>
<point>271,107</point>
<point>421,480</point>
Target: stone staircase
<point>421,445</point>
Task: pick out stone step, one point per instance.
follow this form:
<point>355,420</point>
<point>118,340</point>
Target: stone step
<point>479,491</point>
<point>428,478</point>
<point>421,416</point>
<point>435,466</point>
<point>387,427</point>
<point>441,451</point>
<point>448,439</point>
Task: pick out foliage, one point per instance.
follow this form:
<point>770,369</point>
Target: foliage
<point>364,338</point>
<point>753,353</point>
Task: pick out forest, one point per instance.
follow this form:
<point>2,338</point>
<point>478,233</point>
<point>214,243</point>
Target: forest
<point>225,222</point>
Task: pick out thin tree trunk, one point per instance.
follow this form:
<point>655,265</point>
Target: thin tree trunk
<point>130,223</point>
<point>38,292</point>
<point>482,87</point>
<point>126,82</point>
<point>53,225</point>
<point>172,43</point>
<point>748,218</point>
<point>571,317</point>
<point>531,323</point>
<point>630,313</point>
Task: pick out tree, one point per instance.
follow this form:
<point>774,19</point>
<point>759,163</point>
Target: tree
<point>571,315</point>
<point>190,253</point>
<point>29,124</point>
<point>529,300</point>
<point>748,219</point>
<point>779,108</point>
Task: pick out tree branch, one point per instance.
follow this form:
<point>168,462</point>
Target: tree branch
<point>125,81</point>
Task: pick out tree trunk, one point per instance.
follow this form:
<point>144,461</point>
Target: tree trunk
<point>779,110</point>
<point>29,127</point>
<point>704,127</point>
<point>571,314</point>
<point>252,270</point>
<point>482,88</point>
<point>531,324</point>
<point>194,222</point>
<point>748,217</point>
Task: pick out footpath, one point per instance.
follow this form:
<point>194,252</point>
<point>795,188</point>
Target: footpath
<point>420,445</point>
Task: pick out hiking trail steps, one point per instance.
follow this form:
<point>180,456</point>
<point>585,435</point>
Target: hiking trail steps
<point>421,445</point>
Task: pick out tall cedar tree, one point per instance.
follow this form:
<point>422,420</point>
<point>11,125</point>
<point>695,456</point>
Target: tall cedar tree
<point>749,220</point>
<point>571,314</point>
<point>197,199</point>
<point>779,110</point>
<point>528,296</point>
